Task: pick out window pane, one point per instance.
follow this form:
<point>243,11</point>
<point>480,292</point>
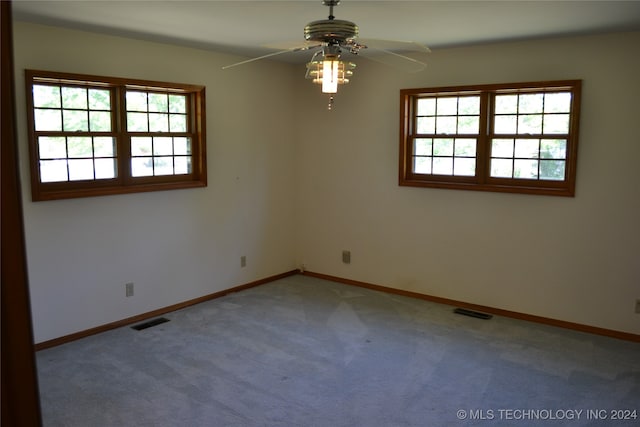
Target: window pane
<point>137,122</point>
<point>502,148</point>
<point>53,170</point>
<point>464,166</point>
<point>422,165</point>
<point>80,146</point>
<point>158,122</point>
<point>181,145</point>
<point>80,169</point>
<point>52,147</point>
<point>443,147</point>
<point>505,124</point>
<point>469,105</point>
<point>48,120</point>
<point>178,104</point>
<point>527,148</point>
<point>426,124</point>
<point>136,101</point>
<point>530,103</point>
<point>525,169</point>
<point>158,102</point>
<point>465,147</point>
<point>182,165</point>
<point>162,146</point>
<point>506,104</point>
<point>557,102</point>
<point>46,96</point>
<point>443,166</point>
<point>446,125</point>
<point>75,120</point>
<point>426,107</point>
<point>100,121</point>
<point>141,146</point>
<point>553,149</point>
<point>99,99</point>
<point>501,168</point>
<point>142,166</point>
<point>530,123</point>
<point>163,165</point>
<point>447,106</point>
<point>556,123</point>
<point>105,168</point>
<point>74,97</point>
<point>177,123</point>
<point>552,170</point>
<point>104,147</point>
<point>468,124</point>
<point>423,147</point>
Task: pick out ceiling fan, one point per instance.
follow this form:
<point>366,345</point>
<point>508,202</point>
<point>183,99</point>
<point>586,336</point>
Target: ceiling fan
<point>333,37</point>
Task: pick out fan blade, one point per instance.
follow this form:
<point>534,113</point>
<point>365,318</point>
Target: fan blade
<point>395,53</point>
<point>393,59</point>
<point>395,45</point>
<point>310,44</point>
<point>269,55</point>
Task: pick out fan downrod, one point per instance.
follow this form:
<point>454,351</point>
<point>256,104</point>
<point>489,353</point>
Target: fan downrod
<point>331,4</point>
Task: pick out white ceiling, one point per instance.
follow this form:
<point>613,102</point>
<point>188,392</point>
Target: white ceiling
<point>246,27</point>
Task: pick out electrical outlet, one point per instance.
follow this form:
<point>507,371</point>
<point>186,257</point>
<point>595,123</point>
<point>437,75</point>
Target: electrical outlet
<point>243,261</point>
<point>128,289</point>
<point>346,257</point>
<point>638,306</point>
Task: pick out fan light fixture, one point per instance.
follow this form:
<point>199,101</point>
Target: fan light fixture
<point>330,72</point>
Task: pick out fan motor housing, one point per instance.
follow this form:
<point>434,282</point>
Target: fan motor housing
<point>327,30</point>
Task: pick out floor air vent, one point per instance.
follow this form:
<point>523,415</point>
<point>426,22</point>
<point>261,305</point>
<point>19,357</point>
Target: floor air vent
<point>150,323</point>
<point>472,313</point>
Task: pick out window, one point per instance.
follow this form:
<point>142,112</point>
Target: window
<point>519,137</point>
<point>91,136</point>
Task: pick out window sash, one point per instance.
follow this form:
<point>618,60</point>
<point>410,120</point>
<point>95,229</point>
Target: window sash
<point>87,165</point>
<point>532,175</point>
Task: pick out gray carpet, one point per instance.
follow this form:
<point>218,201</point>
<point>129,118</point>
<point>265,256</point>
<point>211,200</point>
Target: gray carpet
<point>308,352</point>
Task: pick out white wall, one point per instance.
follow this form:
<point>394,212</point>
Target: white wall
<point>573,259</point>
<point>174,245</point>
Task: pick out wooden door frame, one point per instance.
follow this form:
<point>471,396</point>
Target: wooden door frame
<point>19,394</point>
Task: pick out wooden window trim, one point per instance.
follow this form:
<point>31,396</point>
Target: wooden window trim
<point>123,183</point>
<point>482,181</point>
